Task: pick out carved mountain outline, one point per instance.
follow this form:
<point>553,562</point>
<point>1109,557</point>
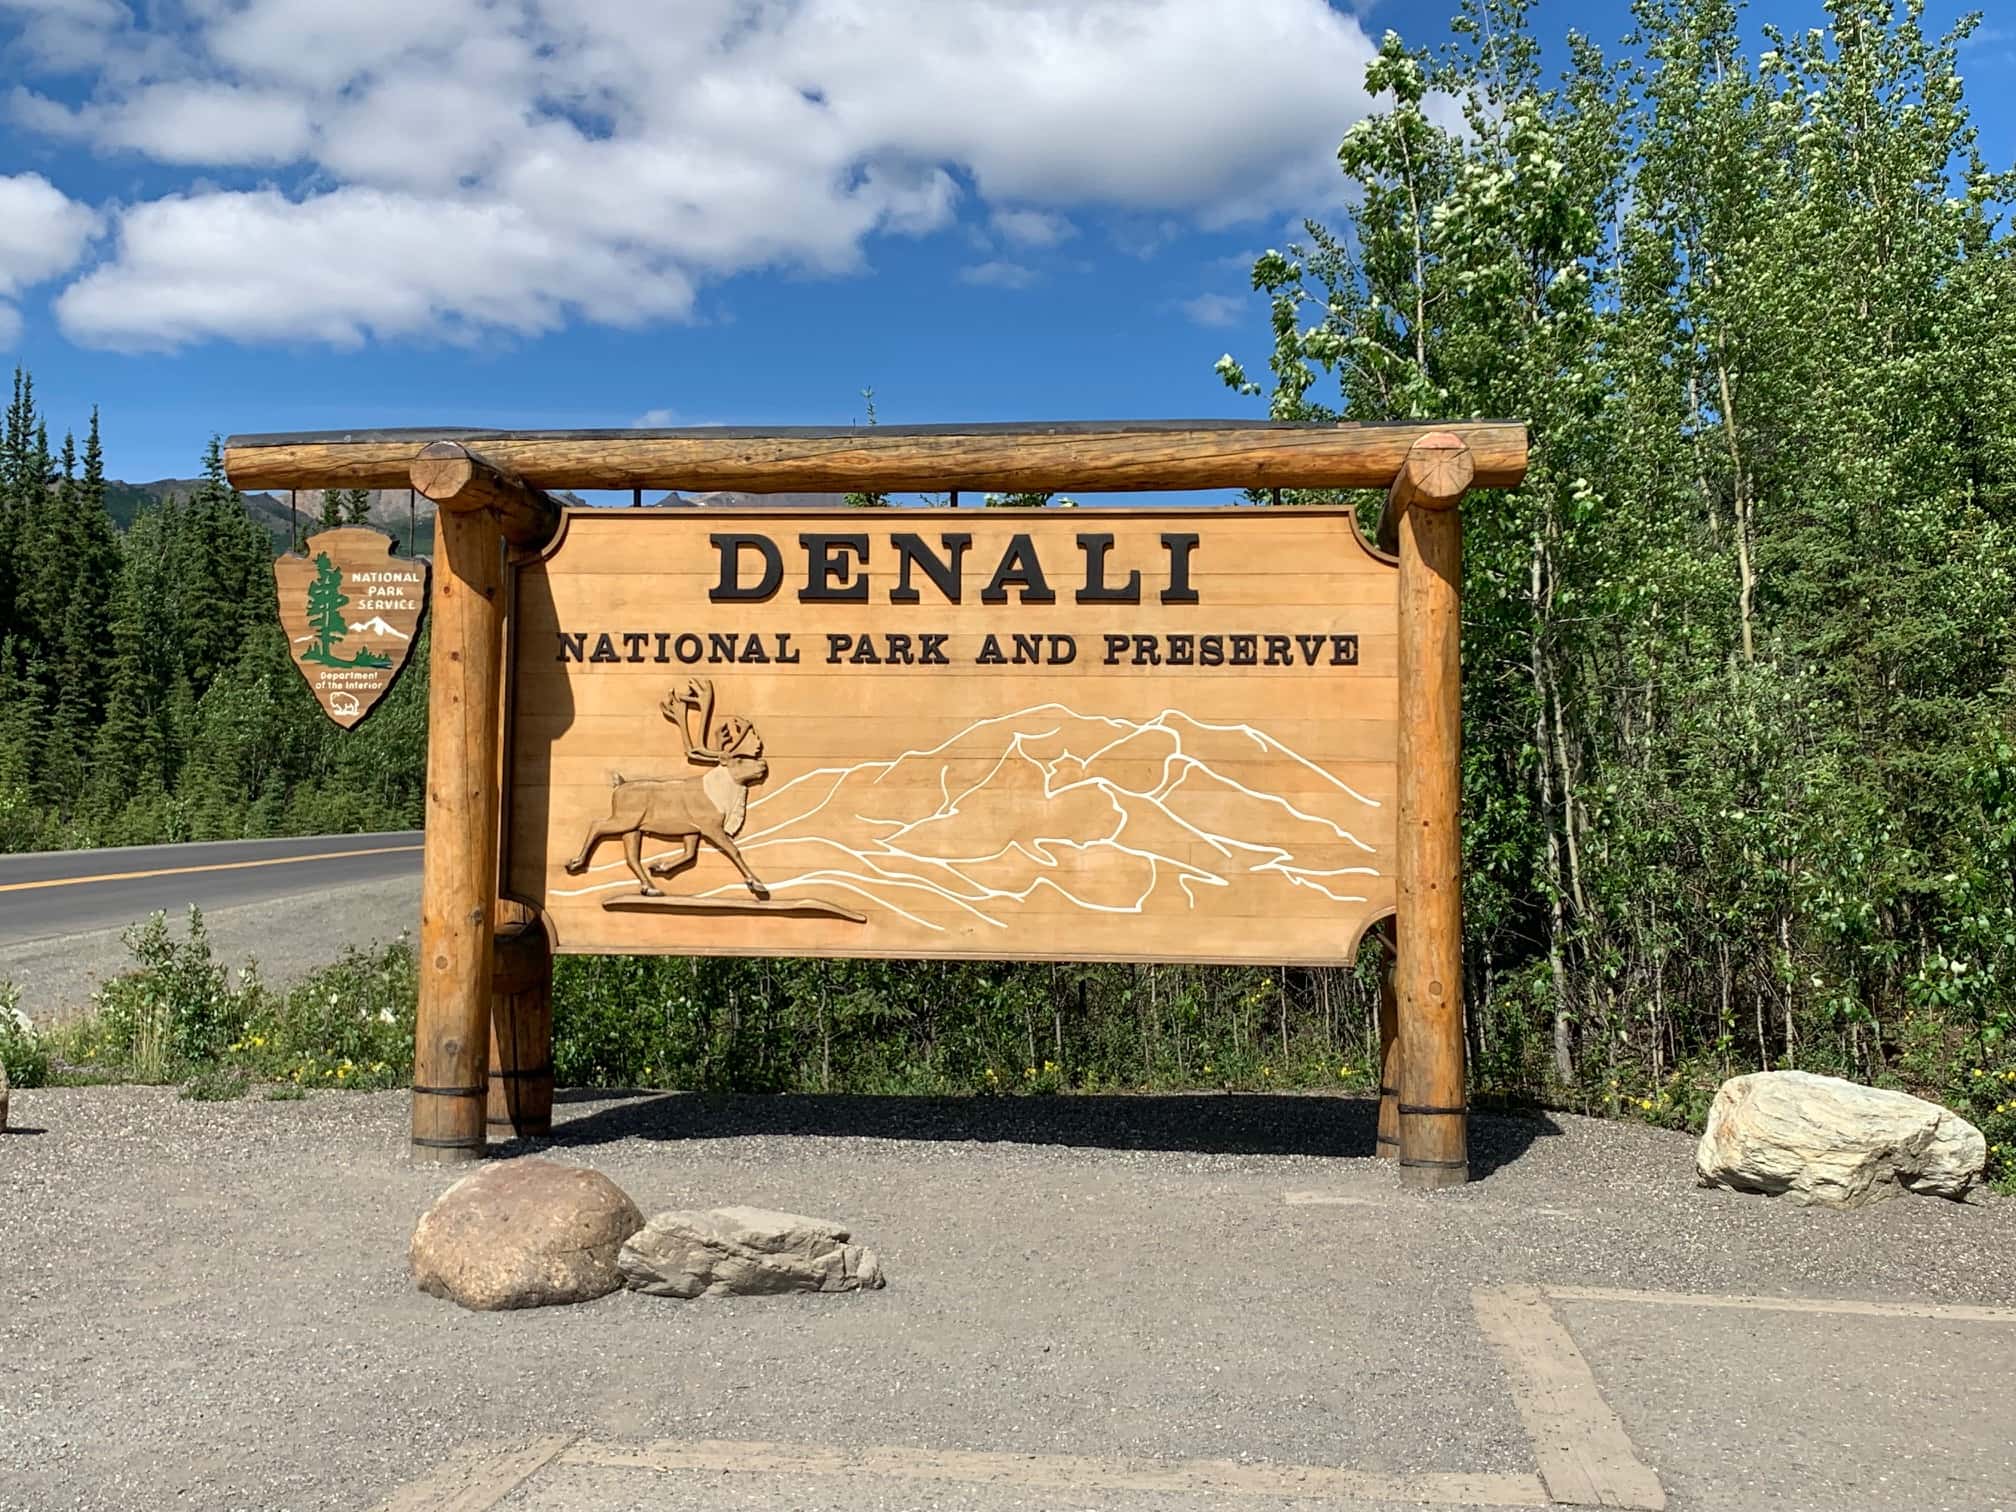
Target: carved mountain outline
<point>1110,815</point>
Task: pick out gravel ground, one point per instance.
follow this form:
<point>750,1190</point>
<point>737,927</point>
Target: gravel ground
<point>206,1305</point>
<point>1886,1415</point>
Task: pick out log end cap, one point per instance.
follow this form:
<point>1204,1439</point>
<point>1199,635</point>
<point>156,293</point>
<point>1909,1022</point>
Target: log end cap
<point>443,471</point>
<point>1439,470</point>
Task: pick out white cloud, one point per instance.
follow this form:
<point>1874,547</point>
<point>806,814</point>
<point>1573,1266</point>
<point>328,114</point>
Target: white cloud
<point>998,275</point>
<point>43,232</point>
<point>1216,310</point>
<point>65,33</point>
<point>632,151</point>
<point>669,419</point>
<point>353,264</point>
<point>1033,228</point>
<point>184,123</point>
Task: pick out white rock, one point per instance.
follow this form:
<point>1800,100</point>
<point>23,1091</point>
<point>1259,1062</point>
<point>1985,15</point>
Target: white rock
<point>744,1250</point>
<point>1835,1143</point>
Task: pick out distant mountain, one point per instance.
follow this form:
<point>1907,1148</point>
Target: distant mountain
<point>389,508</point>
<point>389,511</point>
<point>731,499</point>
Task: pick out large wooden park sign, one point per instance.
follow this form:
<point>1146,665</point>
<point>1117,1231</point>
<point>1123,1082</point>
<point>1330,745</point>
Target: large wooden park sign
<point>1100,734</point>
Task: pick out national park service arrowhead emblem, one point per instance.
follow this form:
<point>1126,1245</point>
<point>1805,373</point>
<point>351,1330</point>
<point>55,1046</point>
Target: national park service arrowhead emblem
<point>352,611</point>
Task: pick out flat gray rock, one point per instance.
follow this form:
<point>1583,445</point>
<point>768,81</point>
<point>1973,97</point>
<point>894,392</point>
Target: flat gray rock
<point>744,1251</point>
<point>1834,1143</point>
<point>524,1233</point>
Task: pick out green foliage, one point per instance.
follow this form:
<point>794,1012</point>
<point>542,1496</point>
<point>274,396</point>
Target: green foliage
<point>347,1025</point>
<point>216,1084</point>
<point>177,1016</point>
<point>23,1052</point>
<point>176,1010</point>
<point>147,693</point>
<point>884,1027</point>
<point>1741,652</point>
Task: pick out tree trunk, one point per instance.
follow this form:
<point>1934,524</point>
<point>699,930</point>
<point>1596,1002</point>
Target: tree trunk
<point>1564,1053</point>
<point>1746,575</point>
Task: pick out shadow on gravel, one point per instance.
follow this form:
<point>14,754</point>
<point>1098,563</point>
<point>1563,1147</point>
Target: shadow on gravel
<point>1204,1124</point>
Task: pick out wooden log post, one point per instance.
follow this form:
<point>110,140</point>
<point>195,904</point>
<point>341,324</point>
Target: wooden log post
<point>521,1025</point>
<point>1428,966</point>
<point>480,508</point>
<point>1386,1142</point>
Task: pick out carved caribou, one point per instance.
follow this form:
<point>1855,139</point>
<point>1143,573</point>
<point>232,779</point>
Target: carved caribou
<point>709,807</point>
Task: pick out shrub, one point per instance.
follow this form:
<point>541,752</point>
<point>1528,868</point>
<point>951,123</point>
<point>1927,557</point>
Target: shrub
<point>177,1009</point>
<point>22,1051</point>
<point>216,1084</point>
<point>347,1025</point>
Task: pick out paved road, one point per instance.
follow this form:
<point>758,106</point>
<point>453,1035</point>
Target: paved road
<point>68,892</point>
<point>62,912</point>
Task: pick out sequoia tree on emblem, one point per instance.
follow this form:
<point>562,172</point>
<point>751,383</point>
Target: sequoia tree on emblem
<point>352,611</point>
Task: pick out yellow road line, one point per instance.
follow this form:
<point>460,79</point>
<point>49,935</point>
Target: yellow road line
<point>184,871</point>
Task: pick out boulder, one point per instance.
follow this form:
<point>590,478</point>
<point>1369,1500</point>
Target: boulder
<point>524,1233</point>
<point>747,1251</point>
<point>1835,1143</point>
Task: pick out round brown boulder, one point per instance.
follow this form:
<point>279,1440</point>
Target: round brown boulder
<point>524,1233</point>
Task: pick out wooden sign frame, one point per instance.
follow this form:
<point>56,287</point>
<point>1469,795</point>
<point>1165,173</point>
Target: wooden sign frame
<point>478,945</point>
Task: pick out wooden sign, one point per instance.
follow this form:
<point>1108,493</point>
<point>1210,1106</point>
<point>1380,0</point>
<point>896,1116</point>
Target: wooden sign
<point>1178,735</point>
<point>1157,735</point>
<point>351,611</point>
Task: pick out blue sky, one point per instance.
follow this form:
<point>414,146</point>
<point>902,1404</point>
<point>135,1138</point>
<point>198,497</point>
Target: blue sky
<point>254,215</point>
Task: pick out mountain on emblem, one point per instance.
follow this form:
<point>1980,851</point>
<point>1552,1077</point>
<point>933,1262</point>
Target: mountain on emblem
<point>351,610</point>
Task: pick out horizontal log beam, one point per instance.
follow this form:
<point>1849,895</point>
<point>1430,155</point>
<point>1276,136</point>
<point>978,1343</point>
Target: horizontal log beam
<point>456,478</point>
<point>977,458</point>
